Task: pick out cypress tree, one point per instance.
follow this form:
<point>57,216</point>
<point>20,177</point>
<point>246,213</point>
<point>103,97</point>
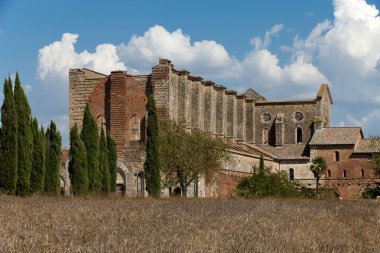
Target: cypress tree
<point>53,157</point>
<point>24,140</point>
<point>112,161</point>
<point>89,136</point>
<point>78,163</point>
<point>8,166</point>
<point>103,163</point>
<point>37,175</point>
<point>152,162</point>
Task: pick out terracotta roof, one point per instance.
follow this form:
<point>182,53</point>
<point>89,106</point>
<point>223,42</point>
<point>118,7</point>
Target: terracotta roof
<point>287,152</point>
<point>368,146</point>
<point>336,136</point>
<point>252,94</point>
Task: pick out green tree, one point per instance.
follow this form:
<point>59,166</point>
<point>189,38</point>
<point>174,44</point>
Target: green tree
<point>112,161</point>
<point>78,163</point>
<point>103,163</point>
<point>266,183</point>
<point>53,157</point>
<point>152,163</point>
<point>186,157</point>
<point>318,166</point>
<point>24,140</point>
<point>89,136</point>
<point>8,154</point>
<point>37,176</point>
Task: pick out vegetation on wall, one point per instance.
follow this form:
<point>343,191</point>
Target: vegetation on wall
<point>186,157</point>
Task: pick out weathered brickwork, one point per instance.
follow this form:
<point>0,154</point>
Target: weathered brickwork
<point>280,130</point>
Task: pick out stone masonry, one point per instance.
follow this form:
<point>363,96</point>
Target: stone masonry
<point>280,130</point>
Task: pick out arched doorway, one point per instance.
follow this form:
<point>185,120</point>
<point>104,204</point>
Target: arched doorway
<point>121,178</point>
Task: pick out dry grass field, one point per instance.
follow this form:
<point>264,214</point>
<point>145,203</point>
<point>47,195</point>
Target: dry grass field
<point>42,224</point>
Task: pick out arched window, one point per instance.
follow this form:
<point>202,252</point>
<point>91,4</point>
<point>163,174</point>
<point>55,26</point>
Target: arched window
<point>337,156</point>
<point>265,136</point>
<point>135,126</point>
<point>291,174</point>
<point>299,135</point>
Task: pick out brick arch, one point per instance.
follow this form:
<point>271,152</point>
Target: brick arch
<point>123,171</point>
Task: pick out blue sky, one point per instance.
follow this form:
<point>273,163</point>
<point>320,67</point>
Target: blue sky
<point>283,49</point>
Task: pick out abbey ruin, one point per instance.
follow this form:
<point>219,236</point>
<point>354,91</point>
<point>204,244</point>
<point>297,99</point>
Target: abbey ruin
<point>288,133</point>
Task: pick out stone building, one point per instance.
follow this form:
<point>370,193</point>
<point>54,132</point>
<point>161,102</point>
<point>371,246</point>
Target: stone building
<point>288,133</point>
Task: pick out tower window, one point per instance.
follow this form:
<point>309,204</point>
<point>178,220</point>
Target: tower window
<point>362,172</point>
<point>329,173</point>
<point>291,174</point>
<point>337,156</point>
<point>265,136</point>
<point>344,173</point>
<point>299,135</point>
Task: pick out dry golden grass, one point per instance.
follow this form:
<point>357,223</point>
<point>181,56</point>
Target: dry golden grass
<point>39,224</point>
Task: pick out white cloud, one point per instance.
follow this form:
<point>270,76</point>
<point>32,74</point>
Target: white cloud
<point>203,57</point>
<point>344,52</point>
<point>259,43</point>
<point>347,50</point>
<point>56,59</point>
<point>369,121</point>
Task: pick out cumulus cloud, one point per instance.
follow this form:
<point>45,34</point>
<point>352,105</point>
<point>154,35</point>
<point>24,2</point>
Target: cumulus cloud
<point>55,60</point>
<point>203,57</point>
<point>344,52</point>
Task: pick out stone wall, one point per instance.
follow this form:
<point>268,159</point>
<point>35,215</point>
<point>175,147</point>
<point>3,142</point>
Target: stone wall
<point>81,84</point>
<point>294,114</point>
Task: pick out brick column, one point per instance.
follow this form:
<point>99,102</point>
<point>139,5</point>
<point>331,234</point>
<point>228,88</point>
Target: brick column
<point>117,109</point>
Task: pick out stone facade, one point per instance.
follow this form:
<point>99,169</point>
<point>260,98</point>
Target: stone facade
<point>280,130</point>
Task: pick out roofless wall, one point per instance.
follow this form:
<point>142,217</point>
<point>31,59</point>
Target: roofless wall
<point>202,105</point>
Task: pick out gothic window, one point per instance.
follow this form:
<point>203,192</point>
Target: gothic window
<point>337,156</point>
<point>135,126</point>
<point>298,116</point>
<point>265,135</point>
<point>291,174</point>
<point>299,135</point>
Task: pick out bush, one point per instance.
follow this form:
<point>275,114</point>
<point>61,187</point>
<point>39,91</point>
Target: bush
<point>266,183</point>
<point>371,193</point>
